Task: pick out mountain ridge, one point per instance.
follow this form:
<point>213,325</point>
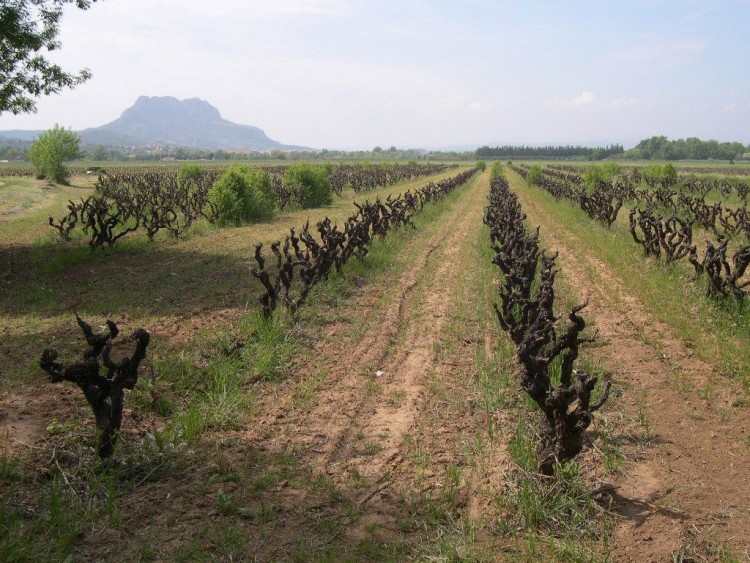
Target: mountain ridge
<point>166,121</point>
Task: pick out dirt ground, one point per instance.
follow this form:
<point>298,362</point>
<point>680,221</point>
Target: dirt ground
<point>375,446</point>
<point>685,486</point>
<point>362,450</point>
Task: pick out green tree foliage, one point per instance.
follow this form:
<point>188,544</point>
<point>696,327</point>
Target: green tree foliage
<point>601,172</point>
<point>598,154</point>
<point>189,172</point>
<point>692,148</point>
<point>309,184</point>
<point>99,153</point>
<point>481,164</point>
<point>669,172</point>
<point>550,152</point>
<point>497,170</point>
<point>28,31</point>
<point>666,174</point>
<point>51,149</point>
<point>535,174</point>
<point>243,195</point>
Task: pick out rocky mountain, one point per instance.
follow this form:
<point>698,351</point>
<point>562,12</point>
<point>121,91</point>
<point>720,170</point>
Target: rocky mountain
<point>167,121</point>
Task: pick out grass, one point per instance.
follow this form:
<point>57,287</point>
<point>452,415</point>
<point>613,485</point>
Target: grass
<point>717,328</point>
<point>713,330</point>
<point>541,518</point>
<point>472,329</point>
<point>198,392</point>
<point>51,535</point>
<point>550,518</point>
<point>49,516</point>
<point>201,395</point>
<point>167,281</point>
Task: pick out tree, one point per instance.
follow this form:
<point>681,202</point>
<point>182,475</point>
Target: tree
<point>99,153</point>
<point>243,195</point>
<point>190,171</point>
<point>51,149</point>
<point>309,184</point>
<point>28,30</point>
<point>535,174</point>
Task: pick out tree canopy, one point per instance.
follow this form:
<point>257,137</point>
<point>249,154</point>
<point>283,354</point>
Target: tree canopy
<point>28,32</point>
<point>661,148</point>
<point>549,152</point>
<point>51,149</point>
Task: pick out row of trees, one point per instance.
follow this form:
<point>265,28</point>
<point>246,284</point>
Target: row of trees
<point>10,149</point>
<point>692,148</point>
<point>57,145</point>
<point>549,152</point>
<point>14,149</point>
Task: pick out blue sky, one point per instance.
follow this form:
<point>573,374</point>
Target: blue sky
<point>360,73</point>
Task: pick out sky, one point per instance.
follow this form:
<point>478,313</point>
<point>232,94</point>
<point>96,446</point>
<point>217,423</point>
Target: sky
<point>356,74</point>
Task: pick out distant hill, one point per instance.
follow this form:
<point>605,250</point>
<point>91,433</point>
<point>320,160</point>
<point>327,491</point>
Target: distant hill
<point>18,135</point>
<point>167,121</point>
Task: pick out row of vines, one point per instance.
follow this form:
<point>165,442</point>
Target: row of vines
<point>311,261</point>
<point>546,352</point>
<point>667,217</point>
<point>166,200</point>
<point>301,262</point>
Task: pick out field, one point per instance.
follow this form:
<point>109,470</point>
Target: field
<point>385,419</point>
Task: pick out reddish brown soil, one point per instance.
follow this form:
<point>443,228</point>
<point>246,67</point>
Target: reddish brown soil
<point>685,488</point>
<point>382,437</point>
<point>374,407</point>
<point>380,425</point>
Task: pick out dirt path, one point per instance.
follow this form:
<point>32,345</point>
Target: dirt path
<point>686,489</point>
<point>378,399</point>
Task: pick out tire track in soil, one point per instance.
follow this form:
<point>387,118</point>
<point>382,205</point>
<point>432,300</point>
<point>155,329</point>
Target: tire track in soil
<point>350,431</point>
<point>406,373</point>
<point>691,483</point>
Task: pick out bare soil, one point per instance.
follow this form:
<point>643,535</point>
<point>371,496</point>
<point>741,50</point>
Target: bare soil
<point>685,488</point>
<point>364,451</point>
<point>374,407</point>
<point>375,445</point>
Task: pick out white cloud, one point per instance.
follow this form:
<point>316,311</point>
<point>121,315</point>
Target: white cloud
<point>478,106</point>
<point>585,99</point>
<point>588,99</point>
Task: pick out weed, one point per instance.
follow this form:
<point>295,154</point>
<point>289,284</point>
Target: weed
<point>10,468</point>
<point>553,511</point>
<point>190,424</point>
<point>226,503</point>
<point>357,478</point>
<point>372,448</point>
<point>610,446</point>
<point>304,394</point>
<point>271,348</point>
<point>397,398</point>
<point>707,392</point>
<point>641,416</point>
